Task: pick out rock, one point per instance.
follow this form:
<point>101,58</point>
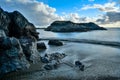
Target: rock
<point>68,26</point>
<point>48,67</point>
<point>4,21</point>
<point>57,56</point>
<point>30,49</point>
<point>44,60</point>
<point>55,42</point>
<point>52,65</point>
<point>80,65</point>
<point>16,25</point>
<point>52,60</point>
<point>18,42</point>
<point>41,45</point>
<point>12,58</point>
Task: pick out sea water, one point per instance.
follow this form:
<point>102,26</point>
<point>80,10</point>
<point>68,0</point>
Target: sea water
<point>112,34</point>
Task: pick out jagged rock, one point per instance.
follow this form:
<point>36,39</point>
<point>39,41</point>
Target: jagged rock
<point>30,49</point>
<point>17,42</point>
<point>4,21</point>
<point>55,42</point>
<point>53,60</point>
<point>56,56</point>
<point>68,26</point>
<point>41,45</point>
<point>16,25</point>
<point>12,58</point>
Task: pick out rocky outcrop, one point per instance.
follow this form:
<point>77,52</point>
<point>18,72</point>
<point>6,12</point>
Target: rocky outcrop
<point>41,45</point>
<point>16,25</point>
<point>68,26</point>
<point>55,42</point>
<point>29,46</point>
<point>18,42</point>
<point>12,57</point>
<point>52,60</point>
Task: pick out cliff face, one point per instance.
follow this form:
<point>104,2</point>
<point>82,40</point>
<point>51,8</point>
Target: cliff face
<point>68,26</point>
<point>17,42</point>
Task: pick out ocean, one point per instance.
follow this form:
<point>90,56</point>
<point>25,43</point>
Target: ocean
<point>112,34</point>
<point>101,62</point>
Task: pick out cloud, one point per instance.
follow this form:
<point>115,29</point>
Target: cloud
<point>110,19</point>
<point>42,14</point>
<point>107,7</point>
<point>36,12</point>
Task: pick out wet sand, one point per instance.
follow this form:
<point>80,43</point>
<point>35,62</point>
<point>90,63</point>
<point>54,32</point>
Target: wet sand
<point>101,63</point>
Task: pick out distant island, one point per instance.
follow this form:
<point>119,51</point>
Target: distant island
<point>68,26</point>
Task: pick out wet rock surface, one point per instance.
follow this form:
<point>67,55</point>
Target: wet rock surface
<point>12,57</point>
<point>68,26</point>
<point>52,60</point>
<point>18,42</point>
<point>41,45</point>
<point>55,42</point>
<point>30,49</point>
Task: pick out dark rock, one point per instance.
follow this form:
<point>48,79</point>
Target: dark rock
<point>52,65</point>
<point>5,43</point>
<point>16,25</point>
<point>48,67</point>
<point>55,42</point>
<point>41,45</point>
<point>44,60</point>
<point>57,56</point>
<point>12,58</point>
<point>30,49</point>
<point>80,65</point>
<point>68,26</point>
<point>18,42</point>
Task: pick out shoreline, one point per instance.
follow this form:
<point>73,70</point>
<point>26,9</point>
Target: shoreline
<point>93,72</point>
<point>97,42</point>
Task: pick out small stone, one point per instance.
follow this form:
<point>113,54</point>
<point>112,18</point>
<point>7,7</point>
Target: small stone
<point>80,65</point>
<point>48,67</point>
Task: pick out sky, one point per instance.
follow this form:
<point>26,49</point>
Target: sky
<point>42,13</point>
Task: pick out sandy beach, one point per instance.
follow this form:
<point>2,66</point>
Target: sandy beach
<point>101,63</point>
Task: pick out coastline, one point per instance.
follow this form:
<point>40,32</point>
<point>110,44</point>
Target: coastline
<point>98,65</point>
<point>97,42</point>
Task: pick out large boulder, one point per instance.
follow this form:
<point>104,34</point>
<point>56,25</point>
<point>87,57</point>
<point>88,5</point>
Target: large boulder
<point>29,46</point>
<point>55,42</point>
<point>12,57</point>
<point>18,42</point>
<point>68,26</point>
<point>41,45</point>
<point>16,25</point>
